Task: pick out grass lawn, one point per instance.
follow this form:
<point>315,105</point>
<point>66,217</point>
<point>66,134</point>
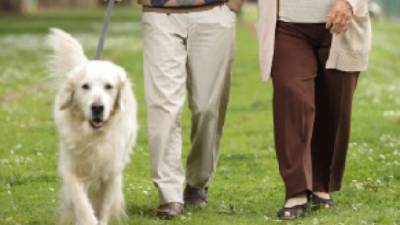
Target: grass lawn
<point>247,188</point>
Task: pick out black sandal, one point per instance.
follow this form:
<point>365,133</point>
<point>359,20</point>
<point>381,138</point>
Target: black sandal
<point>292,213</point>
<point>318,202</point>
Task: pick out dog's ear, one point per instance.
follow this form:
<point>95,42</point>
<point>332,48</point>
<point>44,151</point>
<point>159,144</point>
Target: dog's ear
<point>124,89</point>
<point>66,96</point>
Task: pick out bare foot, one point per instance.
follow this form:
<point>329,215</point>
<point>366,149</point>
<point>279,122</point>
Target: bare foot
<point>298,200</point>
<point>323,195</point>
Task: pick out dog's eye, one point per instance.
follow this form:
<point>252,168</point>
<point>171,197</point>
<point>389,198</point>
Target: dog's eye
<point>85,87</point>
<point>108,87</point>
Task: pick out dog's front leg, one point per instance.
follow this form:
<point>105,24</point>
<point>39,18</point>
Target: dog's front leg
<point>76,191</point>
<point>111,199</point>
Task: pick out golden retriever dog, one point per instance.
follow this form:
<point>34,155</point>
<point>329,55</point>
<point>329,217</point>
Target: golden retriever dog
<point>95,115</point>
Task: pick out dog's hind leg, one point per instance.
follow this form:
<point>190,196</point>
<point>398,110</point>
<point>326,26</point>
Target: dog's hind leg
<point>118,206</point>
<point>112,200</point>
<point>66,213</point>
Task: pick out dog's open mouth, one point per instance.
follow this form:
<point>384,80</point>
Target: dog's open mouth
<point>97,123</point>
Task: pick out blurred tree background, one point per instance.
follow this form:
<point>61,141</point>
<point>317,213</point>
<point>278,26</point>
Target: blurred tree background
<point>391,8</point>
<point>31,6</point>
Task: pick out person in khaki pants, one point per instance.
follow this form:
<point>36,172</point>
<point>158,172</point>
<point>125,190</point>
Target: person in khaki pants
<point>187,44</point>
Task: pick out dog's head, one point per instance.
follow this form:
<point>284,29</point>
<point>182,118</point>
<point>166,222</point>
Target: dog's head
<point>96,91</point>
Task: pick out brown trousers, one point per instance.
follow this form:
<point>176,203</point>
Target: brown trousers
<point>312,109</point>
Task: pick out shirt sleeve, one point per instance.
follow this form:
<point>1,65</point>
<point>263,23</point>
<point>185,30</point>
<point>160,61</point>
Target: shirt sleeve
<point>353,3</point>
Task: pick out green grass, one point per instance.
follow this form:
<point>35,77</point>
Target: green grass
<point>247,188</point>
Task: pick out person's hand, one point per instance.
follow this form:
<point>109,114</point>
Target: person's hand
<point>339,17</point>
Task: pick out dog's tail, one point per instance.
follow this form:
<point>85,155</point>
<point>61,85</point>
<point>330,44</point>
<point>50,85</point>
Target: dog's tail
<point>68,53</point>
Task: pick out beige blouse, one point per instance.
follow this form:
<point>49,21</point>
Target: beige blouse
<point>349,51</point>
<point>304,11</point>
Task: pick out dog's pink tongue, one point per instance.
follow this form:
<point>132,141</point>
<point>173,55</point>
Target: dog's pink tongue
<point>96,123</point>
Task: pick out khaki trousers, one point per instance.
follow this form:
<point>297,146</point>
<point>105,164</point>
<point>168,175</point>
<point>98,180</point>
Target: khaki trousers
<point>193,50</point>
<point>312,109</point>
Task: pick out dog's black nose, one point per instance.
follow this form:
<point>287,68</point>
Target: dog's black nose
<point>97,110</point>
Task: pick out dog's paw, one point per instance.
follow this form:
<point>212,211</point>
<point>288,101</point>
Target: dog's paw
<point>88,221</point>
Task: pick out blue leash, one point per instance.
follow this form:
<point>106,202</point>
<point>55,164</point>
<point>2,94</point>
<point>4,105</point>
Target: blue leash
<point>106,23</point>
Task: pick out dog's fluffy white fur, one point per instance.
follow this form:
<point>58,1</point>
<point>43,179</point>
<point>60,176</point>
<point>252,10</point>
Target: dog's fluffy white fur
<point>93,150</point>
